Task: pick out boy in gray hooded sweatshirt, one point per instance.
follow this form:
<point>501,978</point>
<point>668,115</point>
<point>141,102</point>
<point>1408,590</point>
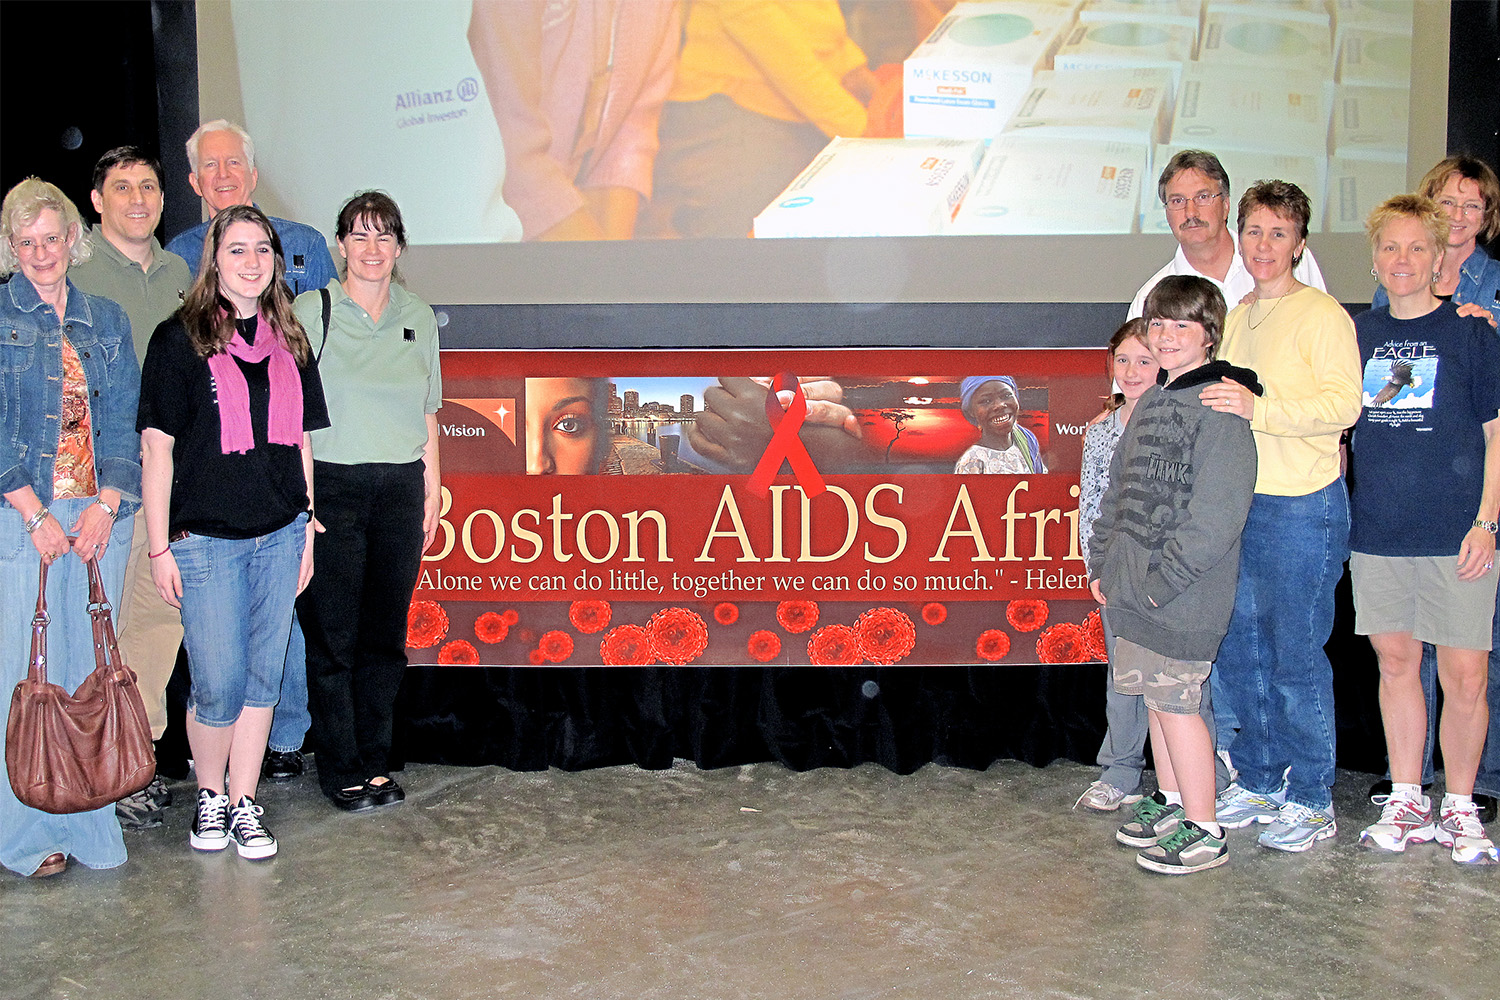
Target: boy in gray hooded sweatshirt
<point>1165,558</point>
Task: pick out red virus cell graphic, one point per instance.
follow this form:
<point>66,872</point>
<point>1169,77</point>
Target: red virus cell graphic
<point>834,645</point>
<point>934,613</point>
<point>678,635</point>
<point>1093,630</point>
<point>458,653</point>
<point>797,616</point>
<point>490,627</point>
<point>1064,643</point>
<point>426,624</point>
<point>726,613</point>
<point>885,635</point>
<point>536,657</point>
<point>763,646</point>
<point>589,617</point>
<point>556,646</point>
<point>992,645</point>
<point>626,646</point>
<point>509,616</point>
<point>1026,615</point>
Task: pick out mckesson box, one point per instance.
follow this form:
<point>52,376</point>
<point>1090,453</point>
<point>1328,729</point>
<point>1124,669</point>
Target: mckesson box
<point>1235,38</point>
<point>1118,45</point>
<point>1390,16</point>
<point>876,187</point>
<point>1244,168</point>
<point>1299,11</point>
<point>1114,105</point>
<point>1220,107</point>
<point>1355,187</point>
<point>1183,13</point>
<point>1375,59</point>
<point>1369,123</point>
<point>1032,184</point>
<point>971,73</point>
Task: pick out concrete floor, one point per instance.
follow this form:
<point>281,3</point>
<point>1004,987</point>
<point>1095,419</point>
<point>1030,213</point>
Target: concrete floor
<point>755,882</point>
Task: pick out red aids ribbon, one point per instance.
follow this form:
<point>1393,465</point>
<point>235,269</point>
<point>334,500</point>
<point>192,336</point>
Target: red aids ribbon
<point>784,443</point>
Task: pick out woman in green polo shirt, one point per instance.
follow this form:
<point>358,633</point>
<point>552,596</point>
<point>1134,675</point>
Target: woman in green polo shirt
<point>378,498</point>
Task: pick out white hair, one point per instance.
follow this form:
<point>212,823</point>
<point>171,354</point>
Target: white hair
<point>220,125</point>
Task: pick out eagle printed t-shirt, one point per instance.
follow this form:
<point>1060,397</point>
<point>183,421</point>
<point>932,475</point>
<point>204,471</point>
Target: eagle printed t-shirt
<point>1417,457</point>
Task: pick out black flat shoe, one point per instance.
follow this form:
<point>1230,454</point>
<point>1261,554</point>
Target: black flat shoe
<point>1486,804</point>
<point>354,800</point>
<point>386,793</point>
<point>282,765</point>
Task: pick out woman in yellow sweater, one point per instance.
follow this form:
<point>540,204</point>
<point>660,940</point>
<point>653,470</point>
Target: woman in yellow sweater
<point>761,87</point>
<point>1271,678</point>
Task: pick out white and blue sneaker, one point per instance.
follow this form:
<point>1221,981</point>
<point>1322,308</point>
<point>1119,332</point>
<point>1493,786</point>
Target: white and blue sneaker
<point>1298,827</point>
<point>1237,806</point>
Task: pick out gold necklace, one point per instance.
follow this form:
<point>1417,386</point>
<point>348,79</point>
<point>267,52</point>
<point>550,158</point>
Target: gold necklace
<point>1254,325</point>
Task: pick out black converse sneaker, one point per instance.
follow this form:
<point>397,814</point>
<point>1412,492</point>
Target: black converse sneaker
<point>209,832</point>
<point>251,838</point>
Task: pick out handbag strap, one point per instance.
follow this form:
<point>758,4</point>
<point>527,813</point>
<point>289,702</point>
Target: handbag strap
<point>106,647</point>
<point>38,669</point>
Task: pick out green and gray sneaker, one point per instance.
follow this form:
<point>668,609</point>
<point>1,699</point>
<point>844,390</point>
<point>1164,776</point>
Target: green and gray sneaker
<point>1187,849</point>
<point>1150,821</point>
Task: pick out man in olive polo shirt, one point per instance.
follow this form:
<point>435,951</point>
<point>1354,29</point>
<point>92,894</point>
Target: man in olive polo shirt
<point>130,266</point>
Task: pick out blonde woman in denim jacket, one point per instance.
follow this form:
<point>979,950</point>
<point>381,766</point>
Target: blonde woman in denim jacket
<point>69,463</point>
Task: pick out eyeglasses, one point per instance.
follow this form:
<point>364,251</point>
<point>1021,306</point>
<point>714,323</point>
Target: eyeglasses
<point>1472,209</point>
<point>51,242</point>
<point>1203,199</point>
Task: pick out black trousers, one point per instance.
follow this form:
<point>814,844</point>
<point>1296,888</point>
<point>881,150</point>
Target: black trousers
<point>353,613</point>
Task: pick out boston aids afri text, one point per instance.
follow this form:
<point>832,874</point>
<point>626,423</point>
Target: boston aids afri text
<point>750,507</point>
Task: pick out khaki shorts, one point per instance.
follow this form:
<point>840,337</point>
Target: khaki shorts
<point>1424,596</point>
<point>1168,685</point>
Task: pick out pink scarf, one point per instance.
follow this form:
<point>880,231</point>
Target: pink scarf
<point>284,422</point>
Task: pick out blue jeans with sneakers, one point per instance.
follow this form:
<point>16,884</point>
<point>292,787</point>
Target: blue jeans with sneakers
<point>291,720</point>
<point>1272,675</point>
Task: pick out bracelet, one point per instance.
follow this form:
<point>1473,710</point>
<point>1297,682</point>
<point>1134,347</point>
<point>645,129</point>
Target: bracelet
<point>158,555</point>
<point>35,521</point>
<point>107,508</point>
<point>1489,526</point>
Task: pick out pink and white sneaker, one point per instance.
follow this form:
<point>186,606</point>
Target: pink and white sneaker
<point>1459,828</point>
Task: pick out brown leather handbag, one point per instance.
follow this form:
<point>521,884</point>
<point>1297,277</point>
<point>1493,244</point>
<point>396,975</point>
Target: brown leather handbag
<point>72,753</point>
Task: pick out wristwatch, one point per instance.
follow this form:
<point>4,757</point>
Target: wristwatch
<point>1491,526</point>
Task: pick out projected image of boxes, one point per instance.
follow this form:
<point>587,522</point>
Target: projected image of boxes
<point>876,187</point>
<point>973,70</point>
<point>1034,184</point>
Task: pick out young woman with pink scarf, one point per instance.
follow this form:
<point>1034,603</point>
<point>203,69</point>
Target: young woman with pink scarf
<point>229,394</point>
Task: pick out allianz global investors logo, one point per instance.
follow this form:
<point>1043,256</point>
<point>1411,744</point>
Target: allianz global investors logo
<point>426,107</point>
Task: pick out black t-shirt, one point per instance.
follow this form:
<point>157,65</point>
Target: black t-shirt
<point>1416,465</point>
<point>224,496</point>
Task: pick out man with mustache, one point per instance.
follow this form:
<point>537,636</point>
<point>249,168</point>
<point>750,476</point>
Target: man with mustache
<point>1194,187</point>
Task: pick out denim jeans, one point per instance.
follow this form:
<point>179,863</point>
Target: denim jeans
<point>28,835</point>
<point>237,596</point>
<point>291,720</point>
<point>1272,674</point>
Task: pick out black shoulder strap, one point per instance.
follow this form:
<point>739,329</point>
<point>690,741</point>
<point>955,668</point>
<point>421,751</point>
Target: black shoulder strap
<point>327,314</point>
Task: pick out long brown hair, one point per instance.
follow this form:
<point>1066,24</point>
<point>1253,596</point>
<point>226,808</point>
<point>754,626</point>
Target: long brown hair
<point>205,311</point>
<point>1132,328</point>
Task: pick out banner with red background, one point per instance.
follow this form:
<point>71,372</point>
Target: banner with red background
<point>599,508</point>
